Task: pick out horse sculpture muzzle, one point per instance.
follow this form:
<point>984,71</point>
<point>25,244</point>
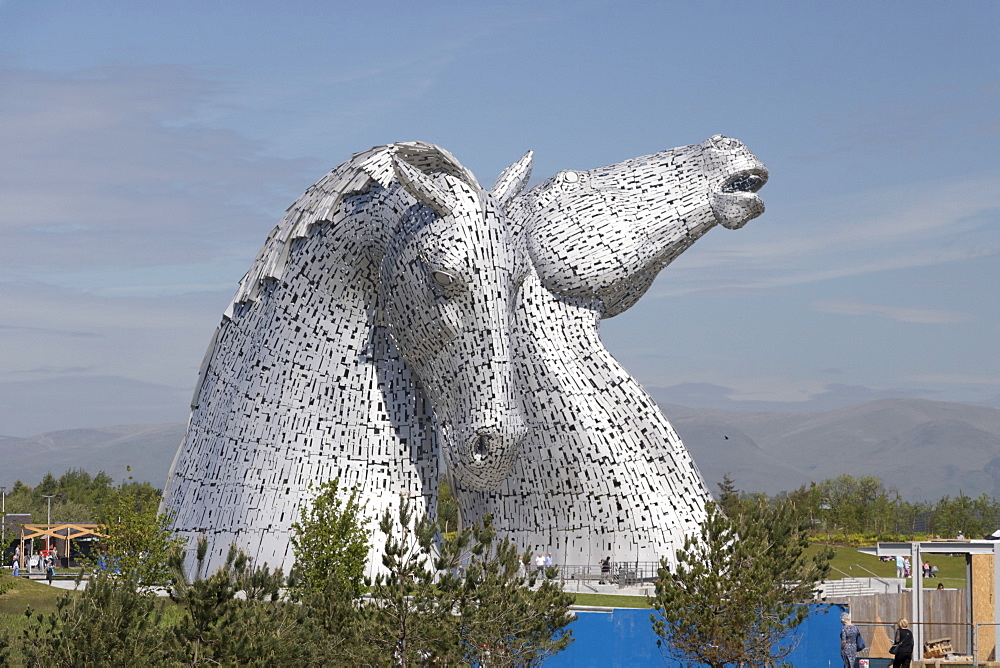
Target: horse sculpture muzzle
<point>734,201</point>
<point>482,449</point>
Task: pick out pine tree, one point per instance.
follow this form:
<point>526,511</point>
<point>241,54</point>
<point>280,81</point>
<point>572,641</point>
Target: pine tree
<point>504,617</point>
<point>111,623</point>
<point>447,508</point>
<point>236,616</point>
<point>734,596</point>
<point>462,599</point>
<point>729,495</point>
<point>405,620</point>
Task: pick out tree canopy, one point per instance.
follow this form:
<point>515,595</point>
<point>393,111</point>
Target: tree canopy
<point>138,542</point>
<point>331,543</point>
<point>79,497</point>
<point>465,601</point>
<point>733,596</point>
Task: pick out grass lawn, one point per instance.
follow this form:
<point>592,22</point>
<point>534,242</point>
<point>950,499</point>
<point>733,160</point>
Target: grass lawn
<point>20,594</point>
<point>611,601</point>
<point>848,562</point>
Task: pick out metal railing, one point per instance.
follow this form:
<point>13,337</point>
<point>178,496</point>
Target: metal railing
<point>870,574</point>
<point>623,574</point>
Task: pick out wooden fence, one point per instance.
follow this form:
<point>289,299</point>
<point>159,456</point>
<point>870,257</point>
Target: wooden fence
<point>945,616</point>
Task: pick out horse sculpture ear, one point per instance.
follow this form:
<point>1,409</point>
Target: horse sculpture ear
<point>422,187</point>
<point>513,179</point>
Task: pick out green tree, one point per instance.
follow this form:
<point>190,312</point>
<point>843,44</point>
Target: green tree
<point>729,495</point>
<point>331,544</point>
<point>857,505</point>
<point>48,485</point>
<point>733,597</point>
<point>973,518</point>
<point>465,601</point>
<point>138,541</point>
<point>335,630</point>
<point>447,508</point>
<point>405,620</point>
<point>468,599</point>
<point>910,516</point>
<point>78,496</point>
<point>235,617</point>
<point>109,624</point>
<point>504,619</point>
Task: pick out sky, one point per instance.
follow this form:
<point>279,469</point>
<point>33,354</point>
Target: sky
<point>147,148</point>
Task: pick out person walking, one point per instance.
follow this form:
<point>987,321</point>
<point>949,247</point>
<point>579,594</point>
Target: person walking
<point>903,644</point>
<point>850,641</point>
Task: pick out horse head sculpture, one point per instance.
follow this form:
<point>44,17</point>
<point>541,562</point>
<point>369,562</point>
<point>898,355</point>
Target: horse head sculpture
<point>372,331</point>
<point>602,472</point>
<point>449,274</point>
<point>606,233</point>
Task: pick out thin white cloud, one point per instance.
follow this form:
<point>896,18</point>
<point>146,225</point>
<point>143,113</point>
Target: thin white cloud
<point>154,337</point>
<point>955,379</point>
<point>18,330</point>
<point>897,313</point>
<point>52,371</point>
<point>902,228</point>
<point>162,290</point>
<point>97,169</point>
<point>923,212</point>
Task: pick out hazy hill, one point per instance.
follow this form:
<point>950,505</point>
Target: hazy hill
<point>926,449</point>
<point>147,448</point>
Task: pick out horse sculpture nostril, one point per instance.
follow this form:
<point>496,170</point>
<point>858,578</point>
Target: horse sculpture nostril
<point>482,455</point>
<point>482,447</point>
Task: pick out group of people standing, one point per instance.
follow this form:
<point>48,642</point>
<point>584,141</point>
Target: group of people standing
<point>903,569</point>
<point>46,561</point>
<point>851,643</point>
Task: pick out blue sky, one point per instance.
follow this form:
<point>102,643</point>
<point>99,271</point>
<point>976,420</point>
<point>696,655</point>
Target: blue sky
<point>146,149</point>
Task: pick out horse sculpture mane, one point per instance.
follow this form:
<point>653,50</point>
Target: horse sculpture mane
<point>320,202</point>
<point>401,323</point>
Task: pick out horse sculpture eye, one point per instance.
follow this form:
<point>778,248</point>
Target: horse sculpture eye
<point>443,278</point>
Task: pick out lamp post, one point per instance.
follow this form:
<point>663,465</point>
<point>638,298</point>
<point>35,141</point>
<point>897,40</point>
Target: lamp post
<point>49,522</point>
<point>4,490</point>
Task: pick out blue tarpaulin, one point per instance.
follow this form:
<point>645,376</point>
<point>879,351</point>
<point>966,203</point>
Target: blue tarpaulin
<point>624,638</point>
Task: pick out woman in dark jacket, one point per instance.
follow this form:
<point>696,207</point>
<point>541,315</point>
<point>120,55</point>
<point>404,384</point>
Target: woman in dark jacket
<point>904,645</point>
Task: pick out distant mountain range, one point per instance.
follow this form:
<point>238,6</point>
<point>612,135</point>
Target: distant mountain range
<point>926,449</point>
<point>147,449</point>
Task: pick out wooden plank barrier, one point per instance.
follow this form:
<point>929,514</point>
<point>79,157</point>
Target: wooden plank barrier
<point>945,615</point>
